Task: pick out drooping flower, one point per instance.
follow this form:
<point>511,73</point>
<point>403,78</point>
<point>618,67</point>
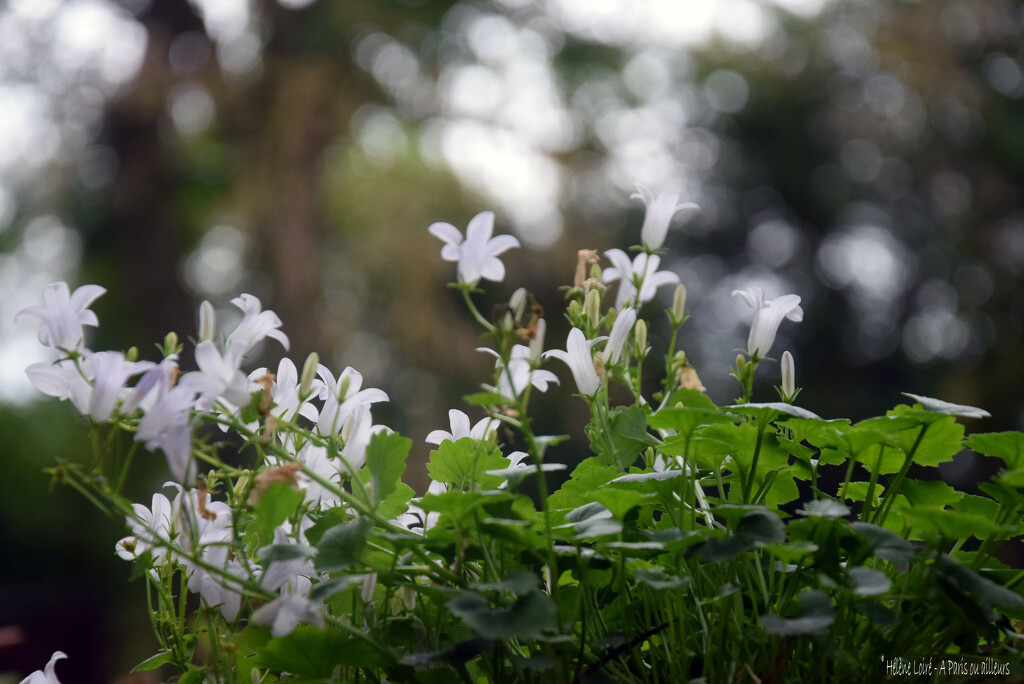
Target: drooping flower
<point>660,210</point>
<point>477,253</point>
<point>580,361</point>
<point>643,269</point>
<point>620,331</point>
<point>166,423</point>
<point>47,675</point>
<point>284,613</point>
<point>63,314</point>
<point>255,324</point>
<point>460,428</point>
<point>768,315</point>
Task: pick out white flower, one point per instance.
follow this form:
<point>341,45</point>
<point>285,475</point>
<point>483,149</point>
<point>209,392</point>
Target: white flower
<point>768,315</point>
<point>460,428</point>
<point>285,392</point>
<point>284,613</point>
<point>477,254</point>
<point>279,573</point>
<point>255,324</point>
<point>63,315</point>
<point>643,270</point>
<point>110,371</point>
<point>166,423</point>
<point>219,375</point>
<point>62,380</point>
<point>660,211</point>
<point>578,357</point>
<point>341,397</point>
<point>47,676</point>
<point>151,528</point>
<point>620,331</point>
<point>513,379</point>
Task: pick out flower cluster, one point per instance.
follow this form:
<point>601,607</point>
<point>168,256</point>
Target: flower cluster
<point>308,557</point>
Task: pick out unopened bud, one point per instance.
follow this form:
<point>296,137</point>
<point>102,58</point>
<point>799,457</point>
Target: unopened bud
<point>741,365</point>
<point>679,304</point>
<point>517,303</point>
<point>170,343</point>
<point>537,343</point>
<point>308,374</point>
<point>788,376</point>
<point>640,335</point>
<point>207,321</point>
<point>574,308</point>
<point>132,354</point>
<point>593,307</point>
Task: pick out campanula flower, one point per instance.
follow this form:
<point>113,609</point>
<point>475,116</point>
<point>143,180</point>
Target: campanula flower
<point>580,361</point>
<point>255,324</point>
<point>63,315</point>
<point>620,331</point>
<point>460,428</point>
<point>660,210</point>
<point>768,315</point>
<point>46,676</point>
<point>643,271</point>
<point>477,253</point>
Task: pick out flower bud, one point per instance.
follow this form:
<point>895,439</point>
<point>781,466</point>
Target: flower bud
<point>741,365</point>
<point>679,304</point>
<point>593,307</point>
<point>132,354</point>
<point>207,321</point>
<point>517,304</point>
<point>170,343</point>
<point>788,376</point>
<point>308,374</point>
<point>537,343</point>
<point>640,335</point>
<point>575,309</point>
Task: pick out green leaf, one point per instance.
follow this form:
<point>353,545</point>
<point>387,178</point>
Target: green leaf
<point>485,399</point>
<point>939,406</point>
<point>193,677</point>
<point>464,462</point>
<point>858,491</point>
<point>815,617</point>
<point>457,505</point>
<point>932,493</point>
<point>942,440</point>
<point>397,502</point>
<point>154,662</point>
<point>884,543</point>
<point>771,410</point>
<point>950,524</point>
<point>519,583</point>
<point>274,553</point>
<point>619,500</point>
<point>527,618</point>
<point>341,545</point>
<point>385,459</point>
<point>658,580</point>
<point>327,520</point>
<point>588,476</point>
<point>273,508</point>
<point>685,419</point>
<point>868,581</point>
<point>312,652</point>
<point>629,436</point>
<point>979,587</point>
<point>1008,446</point>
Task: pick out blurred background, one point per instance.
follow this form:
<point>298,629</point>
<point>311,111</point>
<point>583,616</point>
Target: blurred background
<point>868,156</point>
